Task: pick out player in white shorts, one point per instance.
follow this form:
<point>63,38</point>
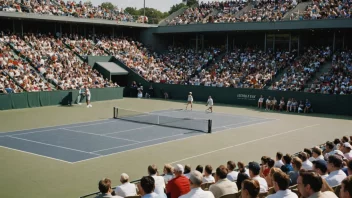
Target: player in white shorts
<point>210,104</point>
<point>87,92</point>
<point>190,100</point>
<point>260,101</point>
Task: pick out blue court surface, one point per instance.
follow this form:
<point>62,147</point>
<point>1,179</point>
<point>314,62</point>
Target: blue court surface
<point>83,141</point>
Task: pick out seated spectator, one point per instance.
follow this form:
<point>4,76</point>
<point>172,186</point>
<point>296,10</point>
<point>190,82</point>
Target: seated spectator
<point>267,164</point>
<point>320,167</point>
<point>196,179</point>
<point>309,154</point>
<point>222,185</point>
<point>208,178</point>
<point>105,189</point>
<point>297,165</point>
<point>187,171</point>
<point>281,184</point>
<point>179,185</point>
<point>306,164</point>
<point>269,178</point>
<point>346,188</point>
<point>254,170</point>
<point>243,174</point>
<point>126,189</point>
<point>168,175</point>
<point>250,188</point>
<point>329,149</point>
<point>232,175</point>
<point>199,168</point>
<point>307,108</point>
<point>300,107</point>
<point>287,167</point>
<point>347,150</point>
<point>278,162</point>
<point>146,187</point>
<point>158,180</point>
<point>310,185</point>
<point>317,154</point>
<point>336,174</point>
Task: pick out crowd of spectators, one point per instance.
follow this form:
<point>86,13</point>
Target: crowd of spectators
<point>291,105</point>
<point>333,9</point>
<point>66,8</point>
<point>338,79</point>
<point>323,171</point>
<point>226,11</point>
<point>302,69</point>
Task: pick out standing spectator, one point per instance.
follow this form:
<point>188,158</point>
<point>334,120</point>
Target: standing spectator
<point>208,178</point>
<point>320,167</point>
<point>196,179</point>
<point>105,189</point>
<point>306,164</point>
<point>179,185</point>
<point>309,184</point>
<point>232,175</point>
<point>278,162</point>
<point>168,175</point>
<point>158,180</point>
<point>347,150</point>
<point>297,165</point>
<point>254,170</point>
<point>287,167</point>
<point>187,171</point>
<point>126,188</point>
<point>222,185</point>
<point>146,187</point>
<point>260,102</point>
<point>281,183</point>
<point>346,188</point>
<point>250,188</point>
<point>336,174</point>
<point>242,174</point>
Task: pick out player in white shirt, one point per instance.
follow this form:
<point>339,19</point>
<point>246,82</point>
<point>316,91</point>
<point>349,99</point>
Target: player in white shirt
<point>260,101</point>
<point>210,104</point>
<point>87,93</point>
<point>190,100</point>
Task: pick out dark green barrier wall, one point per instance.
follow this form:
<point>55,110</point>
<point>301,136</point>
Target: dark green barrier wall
<point>330,104</point>
<point>38,99</point>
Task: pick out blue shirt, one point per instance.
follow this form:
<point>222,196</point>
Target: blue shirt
<point>307,104</point>
<point>287,168</point>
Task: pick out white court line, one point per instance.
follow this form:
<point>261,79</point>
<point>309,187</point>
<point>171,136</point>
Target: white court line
<point>251,141</point>
<point>137,143</point>
<point>98,135</point>
<point>35,154</point>
<point>129,130</point>
<point>90,124</point>
<point>226,126</point>
<point>52,145</point>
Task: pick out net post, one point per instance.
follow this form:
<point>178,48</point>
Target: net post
<point>158,120</point>
<point>210,122</point>
<point>116,110</point>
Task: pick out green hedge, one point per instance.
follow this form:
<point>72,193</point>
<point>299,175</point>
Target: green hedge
<point>38,99</point>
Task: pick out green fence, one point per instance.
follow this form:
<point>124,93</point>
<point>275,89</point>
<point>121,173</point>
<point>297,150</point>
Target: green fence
<point>329,104</point>
<point>38,99</point>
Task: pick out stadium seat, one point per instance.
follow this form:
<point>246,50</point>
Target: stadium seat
<point>205,186</point>
<point>271,190</point>
<point>262,195</point>
<point>229,196</point>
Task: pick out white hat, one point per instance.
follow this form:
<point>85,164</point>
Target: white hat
<point>190,92</point>
<point>178,168</point>
<point>347,145</point>
<point>124,176</point>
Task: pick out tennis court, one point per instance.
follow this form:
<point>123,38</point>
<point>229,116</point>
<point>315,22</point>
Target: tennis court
<point>133,130</point>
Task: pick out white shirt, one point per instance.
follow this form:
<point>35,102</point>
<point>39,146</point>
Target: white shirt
<point>187,175</point>
<point>126,189</point>
<point>87,92</point>
<point>307,165</point>
<point>283,194</point>
<point>263,184</point>
<point>324,176</point>
<point>208,179</point>
<point>232,176</point>
<point>348,155</point>
<point>198,193</point>
<point>152,195</point>
<point>210,102</point>
<point>335,178</point>
<point>159,184</point>
<point>167,178</point>
<point>278,164</point>
<point>190,98</point>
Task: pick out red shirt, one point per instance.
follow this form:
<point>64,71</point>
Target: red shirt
<point>178,186</point>
<point>266,172</point>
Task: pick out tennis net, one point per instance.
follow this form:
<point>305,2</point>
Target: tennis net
<point>202,125</point>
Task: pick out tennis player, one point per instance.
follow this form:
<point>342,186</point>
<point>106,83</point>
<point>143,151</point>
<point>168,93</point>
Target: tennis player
<point>190,100</point>
<point>210,104</point>
<point>87,93</point>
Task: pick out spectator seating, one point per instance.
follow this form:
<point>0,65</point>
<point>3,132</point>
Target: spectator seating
<point>333,9</point>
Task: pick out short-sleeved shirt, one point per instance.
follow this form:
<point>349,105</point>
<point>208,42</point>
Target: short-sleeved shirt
<point>210,102</point>
<point>178,186</point>
<point>190,98</point>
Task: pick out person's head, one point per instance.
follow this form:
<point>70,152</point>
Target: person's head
<point>124,178</point>
<point>190,93</point>
<point>309,183</point>
<point>296,163</point>
<point>105,186</point>
<point>281,181</point>
<point>346,188</point>
<point>146,185</point>
<point>167,169</point>
<point>199,168</point>
<point>346,147</point>
<point>221,173</point>
<point>152,169</point>
<point>264,160</point>
<point>344,139</point>
<point>320,167</point>
<point>287,159</point>
<point>209,97</point>
<point>308,151</point>
<point>349,167</point>
<point>195,179</point>
<point>334,163</point>
<point>316,152</point>
<point>273,171</point>
<point>304,156</point>
<point>254,169</point>
<point>250,188</point>
<point>337,141</point>
<point>178,170</point>
<point>279,156</point>
<point>241,167</point>
<point>187,169</point>
<point>329,146</point>
<point>270,163</point>
<point>208,170</point>
<point>231,165</point>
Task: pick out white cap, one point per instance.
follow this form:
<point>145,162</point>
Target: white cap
<point>347,145</point>
<point>124,176</point>
<point>190,92</point>
<point>178,168</point>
